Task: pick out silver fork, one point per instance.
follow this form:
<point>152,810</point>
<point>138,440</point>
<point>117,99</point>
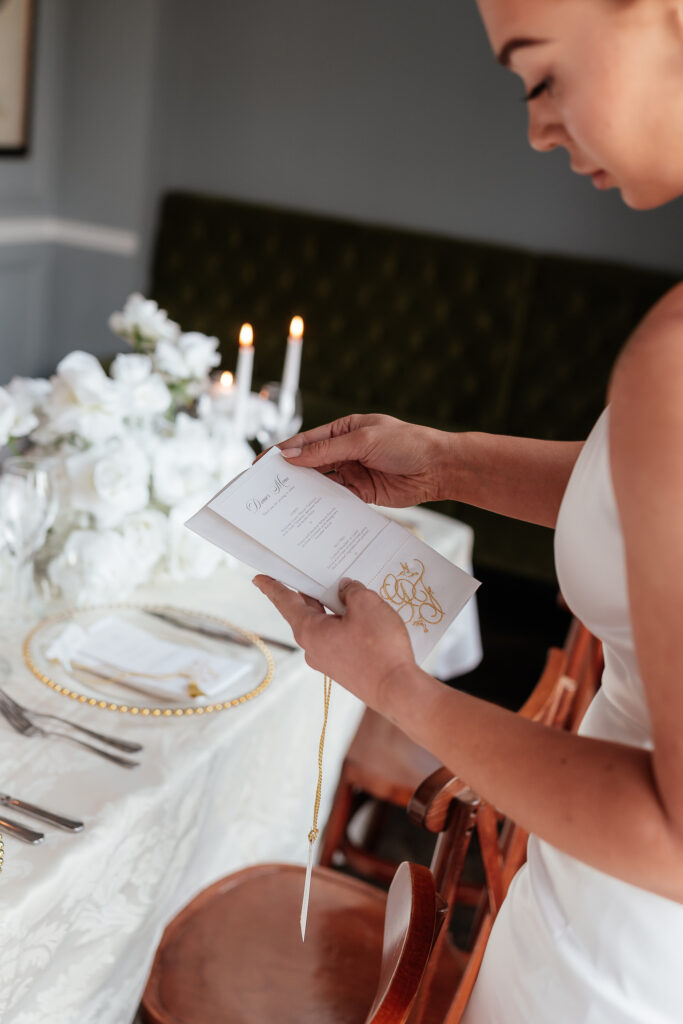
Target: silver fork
<point>22,724</point>
<point>130,748</point>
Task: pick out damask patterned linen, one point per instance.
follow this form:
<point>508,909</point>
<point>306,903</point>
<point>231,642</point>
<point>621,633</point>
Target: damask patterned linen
<point>82,914</point>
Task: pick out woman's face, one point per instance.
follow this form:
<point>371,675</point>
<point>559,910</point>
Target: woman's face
<point>604,80</point>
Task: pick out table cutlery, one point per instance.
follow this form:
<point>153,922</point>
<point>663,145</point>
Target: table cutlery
<point>217,631</point>
<point>111,678</point>
<point>27,835</point>
<point>68,824</point>
<point>128,747</point>
<point>19,721</point>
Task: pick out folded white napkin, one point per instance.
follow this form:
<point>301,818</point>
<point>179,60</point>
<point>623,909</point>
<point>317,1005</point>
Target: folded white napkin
<point>114,647</point>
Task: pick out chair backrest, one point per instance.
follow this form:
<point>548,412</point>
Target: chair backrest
<point>445,804</point>
<point>410,924</point>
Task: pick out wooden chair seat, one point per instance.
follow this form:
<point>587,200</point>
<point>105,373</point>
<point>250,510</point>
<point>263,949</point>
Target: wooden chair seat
<point>384,761</point>
<point>234,955</point>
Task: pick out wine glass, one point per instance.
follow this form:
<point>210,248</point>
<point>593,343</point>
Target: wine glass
<point>28,506</point>
<point>274,424</point>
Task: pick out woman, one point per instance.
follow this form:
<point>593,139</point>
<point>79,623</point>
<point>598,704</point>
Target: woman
<point>592,929</point>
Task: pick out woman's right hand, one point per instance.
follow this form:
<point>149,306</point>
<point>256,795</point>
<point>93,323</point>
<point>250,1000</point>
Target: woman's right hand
<point>381,459</point>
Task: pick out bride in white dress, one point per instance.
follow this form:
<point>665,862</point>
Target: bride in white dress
<point>592,929</point>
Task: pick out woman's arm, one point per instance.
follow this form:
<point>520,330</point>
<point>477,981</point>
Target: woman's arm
<point>518,477</point>
<point>595,800</point>
<point>617,808</point>
<point>389,462</point>
<point>614,807</point>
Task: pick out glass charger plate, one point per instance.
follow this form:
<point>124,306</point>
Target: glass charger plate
<point>108,695</point>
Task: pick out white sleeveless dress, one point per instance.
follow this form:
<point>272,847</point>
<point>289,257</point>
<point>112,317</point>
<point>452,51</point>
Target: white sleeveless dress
<point>572,945</point>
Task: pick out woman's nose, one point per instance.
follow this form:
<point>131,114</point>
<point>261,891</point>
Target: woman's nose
<point>545,133</point>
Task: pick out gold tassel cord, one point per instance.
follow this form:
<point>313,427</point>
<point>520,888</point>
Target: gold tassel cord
<point>314,832</point>
<point>327,690</point>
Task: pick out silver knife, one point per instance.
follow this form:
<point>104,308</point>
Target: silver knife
<point>27,835</point>
<point>217,631</point>
<point>68,824</point>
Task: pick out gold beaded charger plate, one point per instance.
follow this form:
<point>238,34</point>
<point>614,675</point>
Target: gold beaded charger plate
<point>112,691</point>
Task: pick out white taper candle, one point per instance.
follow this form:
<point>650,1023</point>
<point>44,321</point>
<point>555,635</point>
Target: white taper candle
<point>243,374</point>
<point>291,370</point>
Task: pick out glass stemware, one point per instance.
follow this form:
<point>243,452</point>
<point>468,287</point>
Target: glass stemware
<point>28,506</point>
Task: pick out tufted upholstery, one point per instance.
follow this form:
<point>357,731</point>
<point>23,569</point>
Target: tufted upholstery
<point>440,331</point>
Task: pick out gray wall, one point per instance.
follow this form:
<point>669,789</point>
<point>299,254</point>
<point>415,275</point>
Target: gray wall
<point>102,170</point>
<point>383,110</point>
<point>27,190</point>
<point>94,72</point>
<point>380,110</point>
<point>27,183</point>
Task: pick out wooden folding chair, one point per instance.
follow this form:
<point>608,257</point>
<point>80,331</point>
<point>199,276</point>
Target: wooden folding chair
<point>235,955</point>
<point>502,846</point>
<point>385,766</point>
<point>569,681</point>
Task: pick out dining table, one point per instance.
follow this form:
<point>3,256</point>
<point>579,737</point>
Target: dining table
<point>83,912</point>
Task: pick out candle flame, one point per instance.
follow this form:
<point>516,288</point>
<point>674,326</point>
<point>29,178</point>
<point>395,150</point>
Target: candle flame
<point>296,328</point>
<point>246,335</point>
<point>226,379</point>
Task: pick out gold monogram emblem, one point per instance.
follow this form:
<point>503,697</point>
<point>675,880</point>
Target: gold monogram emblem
<point>412,598</point>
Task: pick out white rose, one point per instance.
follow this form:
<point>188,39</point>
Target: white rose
<point>190,556</point>
<point>146,536</point>
<point>8,415</point>
<point>168,359</point>
<point>94,567</point>
<point>83,400</point>
<point>191,357</point>
<point>28,395</point>
<point>184,464</point>
<point>17,418</point>
<point>142,322</point>
<point>144,392</point>
<point>109,483</point>
<point>200,352</point>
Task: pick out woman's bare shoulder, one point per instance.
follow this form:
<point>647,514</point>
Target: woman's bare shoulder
<point>650,366</point>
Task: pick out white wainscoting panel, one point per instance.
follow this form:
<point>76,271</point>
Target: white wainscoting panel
<point>56,230</point>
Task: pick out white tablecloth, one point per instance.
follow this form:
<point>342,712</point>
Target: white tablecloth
<point>82,914</point>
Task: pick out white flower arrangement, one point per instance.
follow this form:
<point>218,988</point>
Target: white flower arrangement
<point>134,452</point>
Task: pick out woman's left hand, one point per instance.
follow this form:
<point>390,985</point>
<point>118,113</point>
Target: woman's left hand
<point>362,650</point>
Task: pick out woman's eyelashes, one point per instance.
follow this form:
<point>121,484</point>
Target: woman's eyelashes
<point>538,90</point>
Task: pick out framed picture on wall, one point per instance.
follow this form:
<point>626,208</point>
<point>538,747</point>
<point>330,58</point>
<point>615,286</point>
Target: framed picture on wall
<point>16,56</point>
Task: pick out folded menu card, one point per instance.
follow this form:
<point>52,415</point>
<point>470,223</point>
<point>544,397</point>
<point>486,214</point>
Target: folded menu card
<point>114,649</point>
<point>308,532</point>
